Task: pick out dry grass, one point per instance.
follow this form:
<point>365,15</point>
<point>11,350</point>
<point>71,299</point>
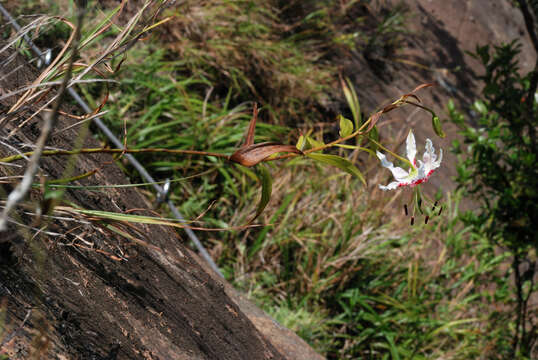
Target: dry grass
<point>242,47</point>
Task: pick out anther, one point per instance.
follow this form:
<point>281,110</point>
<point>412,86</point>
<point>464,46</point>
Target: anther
<point>405,209</point>
<point>412,220</point>
<point>427,218</point>
<point>435,204</point>
<point>440,211</point>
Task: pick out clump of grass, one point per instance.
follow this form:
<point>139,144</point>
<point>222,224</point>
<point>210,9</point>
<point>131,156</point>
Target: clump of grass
<point>308,210</point>
<point>160,104</point>
<point>240,46</point>
<point>311,323</point>
<point>285,55</point>
<point>373,285</point>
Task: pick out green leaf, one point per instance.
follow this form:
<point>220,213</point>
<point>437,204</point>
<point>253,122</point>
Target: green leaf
<point>373,135</point>
<point>392,347</point>
<point>258,243</point>
<point>300,143</point>
<point>267,186</point>
<point>313,143</point>
<point>339,162</point>
<point>450,106</point>
<point>346,126</point>
<point>126,217</point>
<point>480,107</point>
<point>353,101</point>
<point>436,123</point>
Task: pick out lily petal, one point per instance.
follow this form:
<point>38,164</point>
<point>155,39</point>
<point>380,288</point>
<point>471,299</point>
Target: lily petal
<point>411,146</point>
<point>398,173</point>
<point>437,163</point>
<point>430,159</point>
<point>421,171</point>
<point>393,185</point>
<point>429,156</point>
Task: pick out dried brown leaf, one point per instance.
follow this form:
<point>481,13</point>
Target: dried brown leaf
<point>254,154</point>
<point>421,86</point>
<point>375,118</point>
<point>252,126</point>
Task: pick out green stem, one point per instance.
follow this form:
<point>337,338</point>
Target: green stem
<point>112,151</point>
<point>71,179</point>
<point>420,106</point>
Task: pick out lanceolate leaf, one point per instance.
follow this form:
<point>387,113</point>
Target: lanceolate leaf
<point>374,118</point>
<point>267,186</point>
<point>352,100</point>
<point>253,154</point>
<point>313,143</point>
<point>374,135</point>
<point>412,93</point>
<point>300,143</point>
<point>252,126</point>
<point>355,147</point>
<point>339,162</point>
<point>346,126</point>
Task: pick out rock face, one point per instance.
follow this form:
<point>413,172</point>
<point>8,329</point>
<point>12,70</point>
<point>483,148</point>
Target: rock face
<point>87,288</point>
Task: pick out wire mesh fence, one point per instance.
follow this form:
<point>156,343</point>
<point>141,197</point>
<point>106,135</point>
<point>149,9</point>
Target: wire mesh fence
<point>49,65</point>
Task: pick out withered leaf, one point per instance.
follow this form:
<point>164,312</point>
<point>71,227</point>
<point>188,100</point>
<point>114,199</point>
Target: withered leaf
<point>412,93</point>
<point>252,126</point>
<point>251,155</point>
<point>421,86</point>
<point>375,117</point>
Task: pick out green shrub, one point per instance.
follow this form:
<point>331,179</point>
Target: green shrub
<point>498,166</point>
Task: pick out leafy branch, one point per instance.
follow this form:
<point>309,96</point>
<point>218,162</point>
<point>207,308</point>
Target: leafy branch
<point>251,154</point>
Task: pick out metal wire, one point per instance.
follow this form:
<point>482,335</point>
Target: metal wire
<point>108,133</point>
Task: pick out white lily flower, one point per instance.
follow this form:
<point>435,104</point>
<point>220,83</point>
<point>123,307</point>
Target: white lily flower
<point>415,175</point>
